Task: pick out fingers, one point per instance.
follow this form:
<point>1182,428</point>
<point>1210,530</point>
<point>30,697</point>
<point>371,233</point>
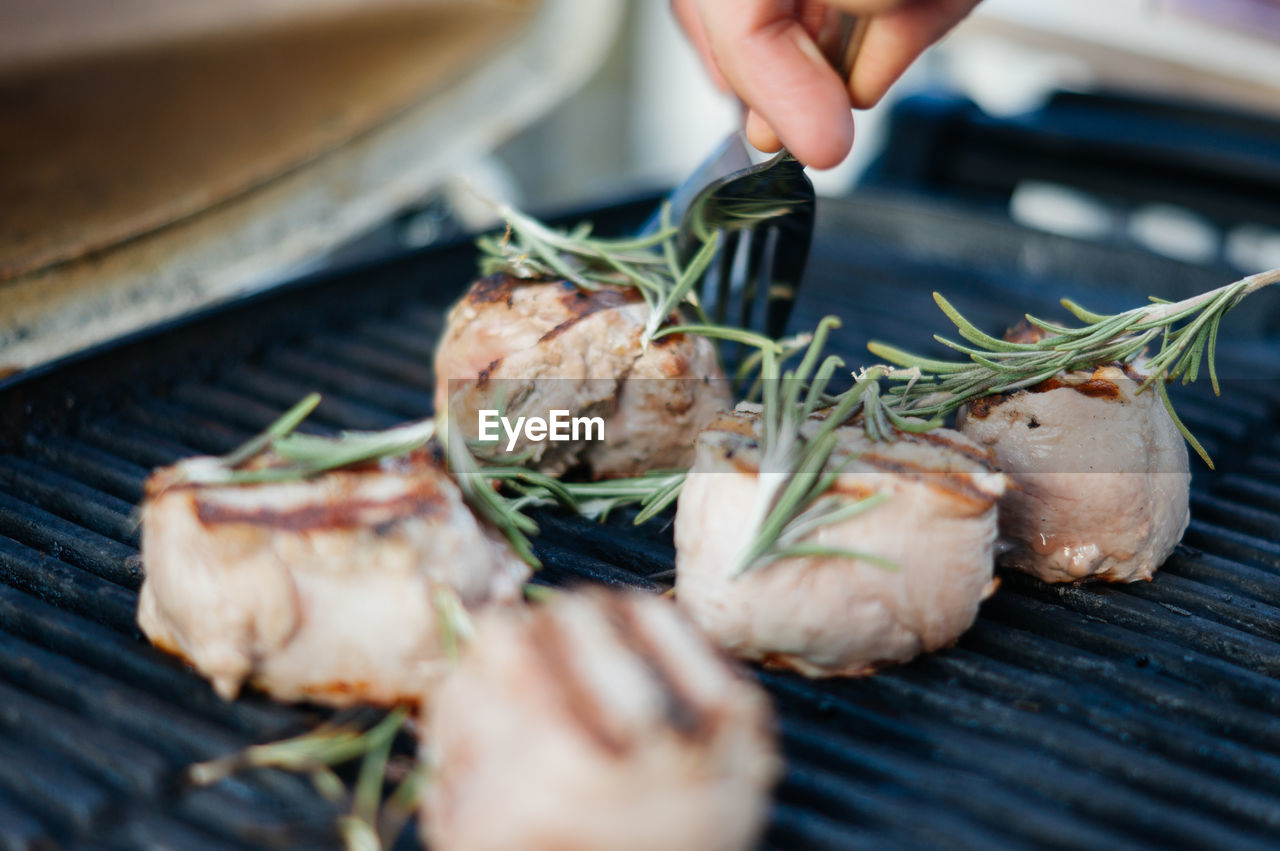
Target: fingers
<point>772,63</point>
<point>760,134</point>
<point>764,51</point>
<point>895,39</point>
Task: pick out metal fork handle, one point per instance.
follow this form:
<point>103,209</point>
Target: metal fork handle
<point>840,40</point>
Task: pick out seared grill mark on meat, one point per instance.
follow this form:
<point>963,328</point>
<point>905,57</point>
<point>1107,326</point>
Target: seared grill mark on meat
<point>959,484</point>
<point>748,466</point>
<point>1130,371</point>
<point>355,688</point>
<point>851,489</point>
<point>973,453</point>
<point>483,377</point>
<point>423,501</point>
<point>981,407</point>
<point>551,645</point>
<point>1094,388</point>
<point>669,339</point>
<point>495,288</point>
<point>733,424</point>
<point>431,455</point>
<point>582,303</point>
<point>682,712</point>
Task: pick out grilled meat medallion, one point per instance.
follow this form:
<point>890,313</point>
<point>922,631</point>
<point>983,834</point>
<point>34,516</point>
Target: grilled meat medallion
<point>600,721</point>
<point>529,347</point>
<point>837,615</point>
<point>326,589</point>
<point>1102,481</point>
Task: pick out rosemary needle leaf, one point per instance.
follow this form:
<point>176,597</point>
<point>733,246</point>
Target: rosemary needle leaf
<point>816,345</point>
<point>971,332</point>
<point>358,834</point>
<point>901,357</point>
<point>1177,421</point>
<point>660,500</point>
<point>825,515</point>
<point>1079,312</point>
<point>540,593</point>
<point>1047,326</point>
<point>1213,351</point>
<point>289,421</point>
<point>328,784</point>
<point>368,792</point>
<point>814,398</point>
<point>912,425</point>
<point>722,332</point>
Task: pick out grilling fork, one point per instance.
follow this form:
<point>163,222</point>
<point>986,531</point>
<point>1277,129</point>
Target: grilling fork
<point>762,211</point>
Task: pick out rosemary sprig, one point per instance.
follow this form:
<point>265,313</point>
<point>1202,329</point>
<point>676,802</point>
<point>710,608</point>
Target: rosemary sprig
<point>301,456</point>
<point>652,491</point>
<point>315,754</point>
<point>477,486</point>
<point>456,628</point>
<point>1180,332</point>
<point>649,264</point>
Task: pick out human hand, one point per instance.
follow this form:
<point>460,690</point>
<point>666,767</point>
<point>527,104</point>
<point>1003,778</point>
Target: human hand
<point>764,51</point>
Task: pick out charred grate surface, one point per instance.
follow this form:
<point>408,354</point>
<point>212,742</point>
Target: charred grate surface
<point>1126,717</point>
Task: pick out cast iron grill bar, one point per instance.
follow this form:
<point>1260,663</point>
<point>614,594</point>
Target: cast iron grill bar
<point>1123,809</point>
<point>335,409</point>
<point>390,398</point>
<point>150,723</point>
<point>225,406</point>
<point>22,830</point>
<point>1161,778</point>
<point>201,434</point>
<point>45,532</point>
<point>399,337</point>
<point>1245,517</point>
<point>102,470</point>
<point>148,829</point>
<point>820,745</point>
<point>366,357</point>
<point>1223,574</point>
<point>1233,544</point>
<point>92,645</point>
<point>1230,609</point>
<point>65,497</point>
<point>1095,710</point>
<point>141,447</point>
<point>114,759</point>
<point>1158,621</point>
<point>1134,647</point>
<point>65,586</point>
<point>1143,686</point>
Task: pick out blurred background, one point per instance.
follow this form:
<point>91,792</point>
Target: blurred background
<point>157,158</point>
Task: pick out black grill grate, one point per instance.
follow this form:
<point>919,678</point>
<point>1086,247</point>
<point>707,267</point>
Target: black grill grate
<point>1137,716</point>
